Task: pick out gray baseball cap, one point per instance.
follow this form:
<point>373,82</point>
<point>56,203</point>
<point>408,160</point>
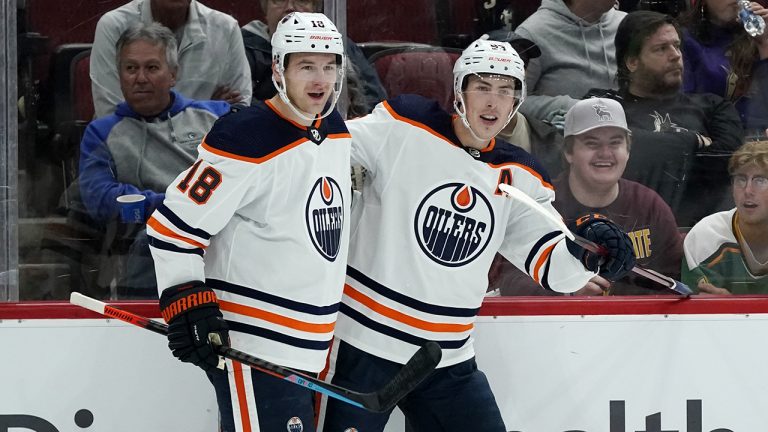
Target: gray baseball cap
<point>594,113</point>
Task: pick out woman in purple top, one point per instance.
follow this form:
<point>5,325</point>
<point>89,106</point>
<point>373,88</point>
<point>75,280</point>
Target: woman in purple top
<point>723,59</point>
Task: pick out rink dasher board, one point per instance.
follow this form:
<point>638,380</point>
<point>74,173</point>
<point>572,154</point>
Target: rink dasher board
<point>549,373</point>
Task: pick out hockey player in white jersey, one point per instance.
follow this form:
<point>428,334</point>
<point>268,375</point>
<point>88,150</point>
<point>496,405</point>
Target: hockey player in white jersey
<point>430,220</point>
<point>250,244</point>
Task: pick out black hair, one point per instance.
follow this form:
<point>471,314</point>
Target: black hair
<point>633,30</point>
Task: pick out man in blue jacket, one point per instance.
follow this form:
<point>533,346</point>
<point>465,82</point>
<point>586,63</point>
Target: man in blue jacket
<point>152,136</point>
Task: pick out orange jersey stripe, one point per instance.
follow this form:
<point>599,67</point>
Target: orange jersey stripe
<point>527,168</point>
<point>544,256</point>
<point>269,156</point>
<point>242,402</point>
<point>275,318</point>
<point>403,318</point>
<point>162,229</point>
<point>722,255</point>
<point>415,123</point>
<point>250,159</point>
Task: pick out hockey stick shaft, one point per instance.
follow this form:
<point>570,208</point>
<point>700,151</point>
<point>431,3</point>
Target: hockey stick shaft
<point>670,284</point>
<point>418,367</point>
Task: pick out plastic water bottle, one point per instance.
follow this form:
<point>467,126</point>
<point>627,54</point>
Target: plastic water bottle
<point>753,24</point>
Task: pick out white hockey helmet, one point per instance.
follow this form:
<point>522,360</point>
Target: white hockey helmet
<point>304,32</point>
<point>485,56</point>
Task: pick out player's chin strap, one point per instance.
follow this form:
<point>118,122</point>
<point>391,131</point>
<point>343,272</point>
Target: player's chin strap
<point>281,90</point>
<point>458,105</point>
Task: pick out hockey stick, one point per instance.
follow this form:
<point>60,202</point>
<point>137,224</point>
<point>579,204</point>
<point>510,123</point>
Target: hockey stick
<point>410,375</point>
<point>670,284</point>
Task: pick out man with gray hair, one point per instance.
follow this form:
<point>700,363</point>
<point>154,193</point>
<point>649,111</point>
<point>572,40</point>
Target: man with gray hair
<point>212,62</point>
<point>152,136</point>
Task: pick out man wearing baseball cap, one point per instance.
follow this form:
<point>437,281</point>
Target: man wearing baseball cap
<point>597,145</point>
<point>596,149</point>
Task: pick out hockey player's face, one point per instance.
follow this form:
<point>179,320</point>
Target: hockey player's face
<point>489,100</point>
<point>145,77</point>
<point>310,79</point>
<point>750,193</point>
<point>598,157</point>
<point>658,70</point>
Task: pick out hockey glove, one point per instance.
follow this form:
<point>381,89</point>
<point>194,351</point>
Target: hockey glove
<point>620,255</point>
<point>195,323</point>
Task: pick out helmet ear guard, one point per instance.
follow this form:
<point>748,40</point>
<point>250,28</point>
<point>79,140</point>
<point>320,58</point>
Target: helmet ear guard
<point>302,32</point>
<point>484,56</point>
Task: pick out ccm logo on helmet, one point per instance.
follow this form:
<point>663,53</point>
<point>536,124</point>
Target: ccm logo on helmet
<point>325,217</point>
<point>454,224</point>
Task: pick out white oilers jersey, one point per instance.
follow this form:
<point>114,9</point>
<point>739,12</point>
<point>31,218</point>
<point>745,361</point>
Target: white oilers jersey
<point>263,218</point>
<point>427,227</point>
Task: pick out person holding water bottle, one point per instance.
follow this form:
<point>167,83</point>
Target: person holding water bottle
<point>725,52</point>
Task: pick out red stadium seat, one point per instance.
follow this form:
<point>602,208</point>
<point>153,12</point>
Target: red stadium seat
<point>427,71</point>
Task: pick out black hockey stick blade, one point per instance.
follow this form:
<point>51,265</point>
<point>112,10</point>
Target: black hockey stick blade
<point>414,372</point>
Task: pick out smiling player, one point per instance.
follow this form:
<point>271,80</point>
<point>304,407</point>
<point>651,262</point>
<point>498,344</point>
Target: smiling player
<point>427,226</point>
<point>261,221</point>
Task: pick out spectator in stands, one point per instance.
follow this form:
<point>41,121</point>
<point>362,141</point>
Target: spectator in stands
<point>723,59</point>
<point>681,141</point>
<point>364,88</point>
<point>152,137</point>
<point>540,139</point>
<point>597,148</point>
<point>727,252</point>
<point>577,54</point>
<point>212,63</point>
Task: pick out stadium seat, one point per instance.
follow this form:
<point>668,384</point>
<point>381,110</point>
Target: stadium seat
<point>427,71</point>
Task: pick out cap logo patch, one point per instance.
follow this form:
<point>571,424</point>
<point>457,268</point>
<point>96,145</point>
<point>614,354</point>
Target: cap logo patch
<point>602,112</point>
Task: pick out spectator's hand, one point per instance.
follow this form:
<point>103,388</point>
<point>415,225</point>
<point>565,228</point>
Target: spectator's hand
<point>762,40</point>
<point>557,119</point>
<point>598,285</point>
<point>706,288</point>
<point>225,93</point>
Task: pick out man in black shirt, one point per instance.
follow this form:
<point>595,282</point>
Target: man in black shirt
<point>681,141</point>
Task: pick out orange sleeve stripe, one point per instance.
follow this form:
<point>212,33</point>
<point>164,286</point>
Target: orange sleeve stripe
<point>276,319</point>
<point>340,135</point>
<point>403,318</point>
<point>722,255</point>
<point>414,123</point>
<point>529,169</point>
<point>242,402</point>
<point>544,257</point>
<point>162,229</point>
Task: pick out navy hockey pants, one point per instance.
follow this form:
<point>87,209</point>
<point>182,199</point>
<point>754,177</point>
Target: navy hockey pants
<point>261,401</point>
<point>454,398</point>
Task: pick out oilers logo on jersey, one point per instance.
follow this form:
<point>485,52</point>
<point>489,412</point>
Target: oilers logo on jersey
<point>454,224</point>
<point>325,217</point>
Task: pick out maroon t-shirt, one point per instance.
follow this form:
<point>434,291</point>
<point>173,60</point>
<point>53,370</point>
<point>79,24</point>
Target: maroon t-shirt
<point>640,211</point>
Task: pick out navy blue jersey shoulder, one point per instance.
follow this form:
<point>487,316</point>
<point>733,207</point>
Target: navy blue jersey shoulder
<point>257,131</point>
<point>425,111</point>
<point>504,153</point>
